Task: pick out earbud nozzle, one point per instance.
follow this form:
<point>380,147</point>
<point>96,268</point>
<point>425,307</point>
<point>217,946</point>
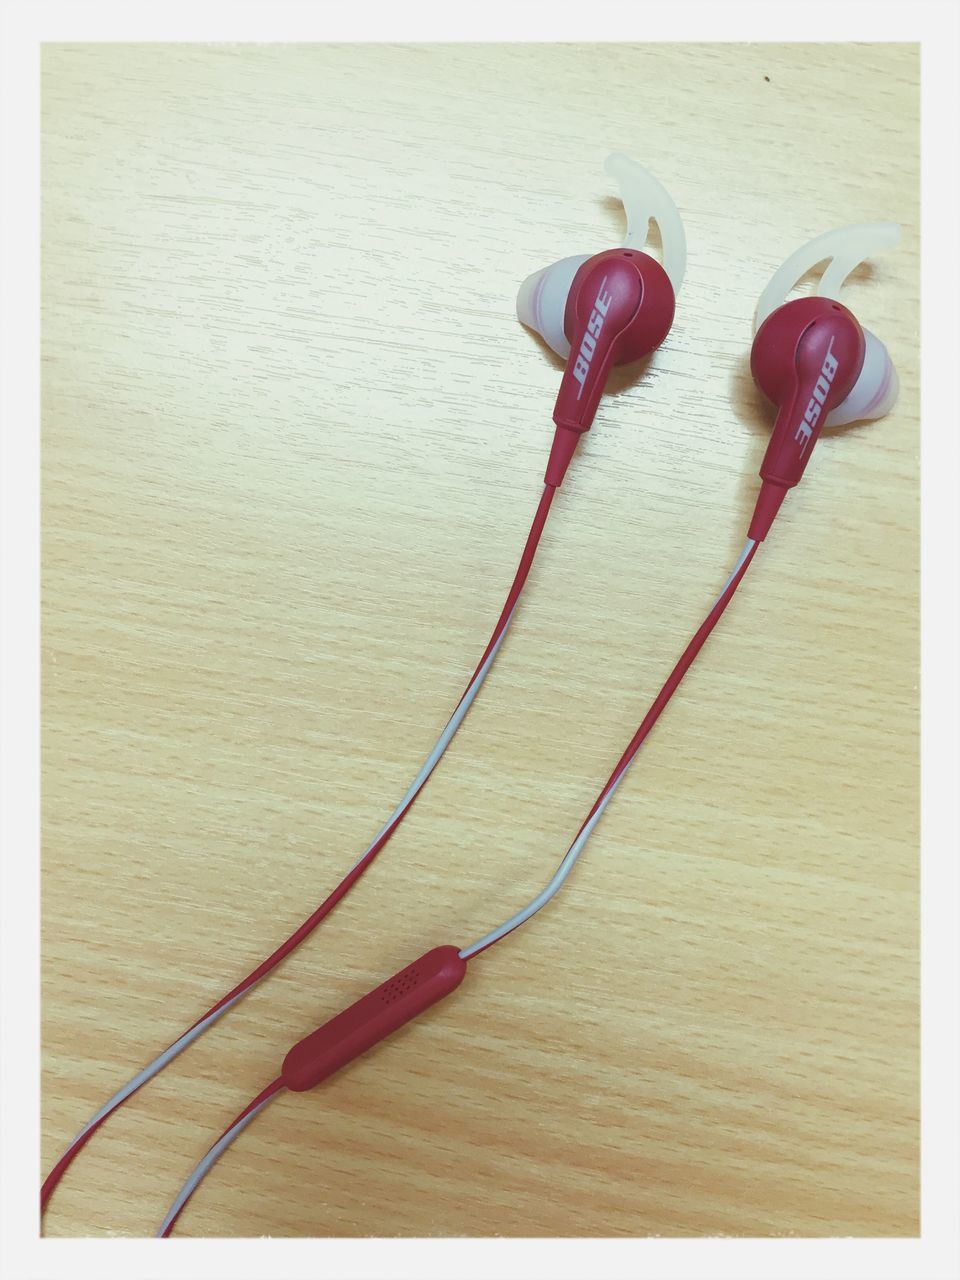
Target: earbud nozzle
<point>888,396</point>
<point>542,301</point>
<point>527,298</point>
<point>876,389</point>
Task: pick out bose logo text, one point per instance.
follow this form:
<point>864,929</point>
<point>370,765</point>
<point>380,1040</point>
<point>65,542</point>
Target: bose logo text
<point>811,417</point>
<point>589,344</point>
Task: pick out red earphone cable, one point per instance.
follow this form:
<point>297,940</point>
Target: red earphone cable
<point>235,1127</point>
<point>350,880</point>
<point>342,889</point>
<point>669,688</point>
<point>672,682</point>
<point>352,876</point>
<point>357,1028</point>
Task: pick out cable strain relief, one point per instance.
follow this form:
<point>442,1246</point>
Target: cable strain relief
<point>765,512</point>
<point>561,454</point>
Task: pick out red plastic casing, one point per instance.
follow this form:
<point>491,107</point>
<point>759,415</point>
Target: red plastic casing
<point>373,1017</point>
<point>619,309</point>
<point>806,358</point>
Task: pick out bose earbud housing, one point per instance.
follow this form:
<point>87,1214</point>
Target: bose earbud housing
<point>875,392</point>
<point>611,308</point>
<point>620,308</point>
<point>814,361</point>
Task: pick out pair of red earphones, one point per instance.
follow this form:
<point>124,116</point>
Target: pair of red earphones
<point>810,357</point>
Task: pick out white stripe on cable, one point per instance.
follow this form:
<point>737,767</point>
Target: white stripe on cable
<point>542,898</point>
<point>155,1066</point>
<point>453,724</point>
<point>218,1148</point>
<point>747,548</point>
<point>431,762</point>
<point>573,853</point>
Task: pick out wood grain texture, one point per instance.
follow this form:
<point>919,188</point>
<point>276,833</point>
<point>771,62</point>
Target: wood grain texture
<point>292,440</point>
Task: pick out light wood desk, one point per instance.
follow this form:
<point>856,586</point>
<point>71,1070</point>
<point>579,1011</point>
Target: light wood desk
<point>293,437</point>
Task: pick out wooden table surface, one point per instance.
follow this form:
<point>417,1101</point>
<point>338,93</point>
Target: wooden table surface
<point>293,436</point>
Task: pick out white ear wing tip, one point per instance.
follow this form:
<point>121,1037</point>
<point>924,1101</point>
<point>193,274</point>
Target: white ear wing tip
<point>846,247</point>
<point>615,161</point>
<point>645,198</point>
<point>891,233</point>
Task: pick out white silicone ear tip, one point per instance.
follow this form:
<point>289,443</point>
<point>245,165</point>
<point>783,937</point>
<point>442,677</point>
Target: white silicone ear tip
<point>644,199</point>
<point>845,247</point>
<point>542,301</point>
<point>876,389</point>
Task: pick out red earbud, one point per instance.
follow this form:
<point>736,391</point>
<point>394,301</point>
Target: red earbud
<point>620,308</point>
<point>806,358</point>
